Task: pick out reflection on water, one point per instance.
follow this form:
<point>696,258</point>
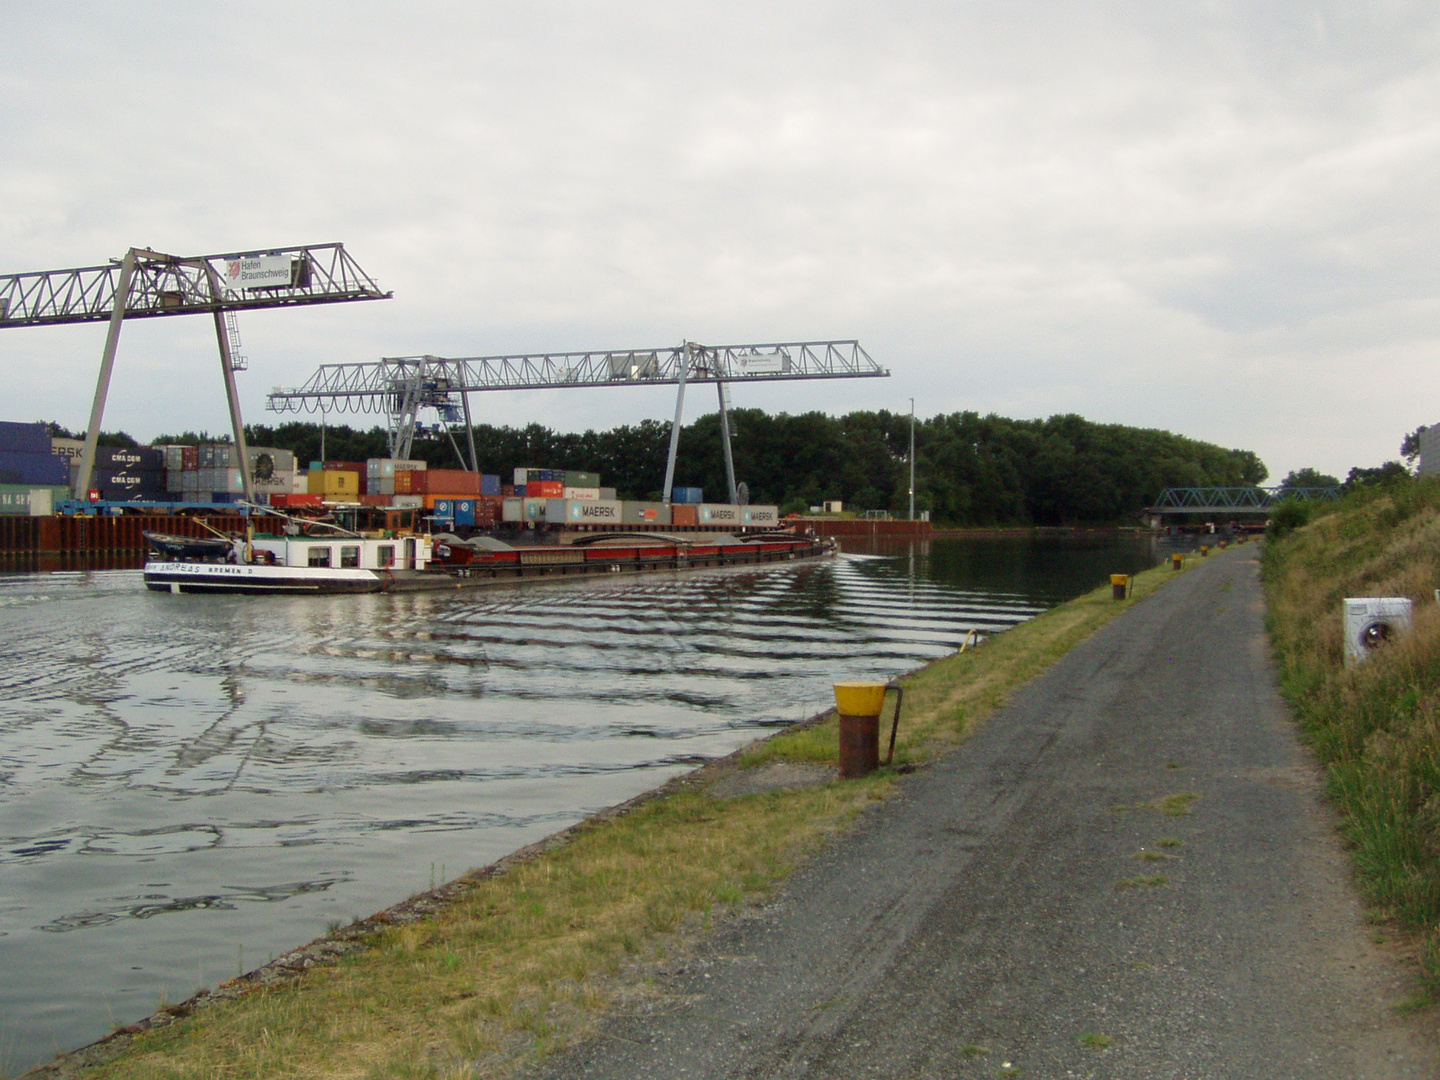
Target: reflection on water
<point>190,784</point>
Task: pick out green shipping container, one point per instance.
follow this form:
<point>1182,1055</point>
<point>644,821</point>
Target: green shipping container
<point>27,500</point>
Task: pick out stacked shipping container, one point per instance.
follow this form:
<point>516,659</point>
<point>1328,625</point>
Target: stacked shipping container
<point>30,476</point>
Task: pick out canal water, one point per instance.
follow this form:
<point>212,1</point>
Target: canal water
<point>191,785</point>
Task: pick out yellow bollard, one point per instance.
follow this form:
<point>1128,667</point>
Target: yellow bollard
<point>1119,584</point>
<point>1224,544</point>
<point>859,704</point>
<point>1204,549</point>
<point>1177,561</point>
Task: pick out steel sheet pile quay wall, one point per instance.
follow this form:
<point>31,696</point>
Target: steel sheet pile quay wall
<point>86,540</point>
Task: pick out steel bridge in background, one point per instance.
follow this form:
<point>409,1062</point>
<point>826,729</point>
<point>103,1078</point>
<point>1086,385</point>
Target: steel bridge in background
<point>1234,500</point>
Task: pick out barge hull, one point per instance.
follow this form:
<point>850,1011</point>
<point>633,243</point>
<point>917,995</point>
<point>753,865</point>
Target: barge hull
<point>260,579</point>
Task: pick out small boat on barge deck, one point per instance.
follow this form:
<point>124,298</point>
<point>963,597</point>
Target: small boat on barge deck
<point>358,563</point>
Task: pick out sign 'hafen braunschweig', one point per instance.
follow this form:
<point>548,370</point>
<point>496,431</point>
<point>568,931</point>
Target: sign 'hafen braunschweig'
<point>259,272</point>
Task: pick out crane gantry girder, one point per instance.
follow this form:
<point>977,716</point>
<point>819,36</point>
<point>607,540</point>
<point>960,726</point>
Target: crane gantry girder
<point>400,386</point>
<point>366,387</point>
<point>146,284</point>
<point>163,284</point>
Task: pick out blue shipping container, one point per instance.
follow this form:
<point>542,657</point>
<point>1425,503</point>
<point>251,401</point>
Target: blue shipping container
<point>520,490</point>
<point>24,438</point>
<point>489,485</point>
<point>465,512</point>
<point>688,496</point>
<point>41,469</point>
<point>445,508</point>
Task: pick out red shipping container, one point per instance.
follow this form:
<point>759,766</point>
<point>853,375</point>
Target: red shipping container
<point>376,500</point>
<point>545,489</point>
<point>296,500</point>
<point>507,491</point>
<point>457,482</point>
<point>190,458</point>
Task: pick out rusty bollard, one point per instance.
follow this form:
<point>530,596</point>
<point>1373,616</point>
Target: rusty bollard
<point>860,704</point>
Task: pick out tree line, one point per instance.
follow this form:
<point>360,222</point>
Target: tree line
<point>969,469</point>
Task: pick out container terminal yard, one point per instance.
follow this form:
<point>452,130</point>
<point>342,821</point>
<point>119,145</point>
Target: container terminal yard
<point>217,488</point>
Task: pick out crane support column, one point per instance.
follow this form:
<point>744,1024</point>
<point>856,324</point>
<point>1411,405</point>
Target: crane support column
<point>725,436</point>
<point>675,427</point>
<point>102,384</point>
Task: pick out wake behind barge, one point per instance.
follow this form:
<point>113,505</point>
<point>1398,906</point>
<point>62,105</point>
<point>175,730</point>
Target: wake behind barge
<point>407,563</point>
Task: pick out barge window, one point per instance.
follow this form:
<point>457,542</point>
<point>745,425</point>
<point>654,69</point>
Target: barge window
<point>385,556</point>
<point>319,556</point>
<point>350,556</point>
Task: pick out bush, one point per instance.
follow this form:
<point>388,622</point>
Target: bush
<point>1290,515</point>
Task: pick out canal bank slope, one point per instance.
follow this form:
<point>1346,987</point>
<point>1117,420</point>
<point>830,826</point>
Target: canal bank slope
<point>1126,872</point>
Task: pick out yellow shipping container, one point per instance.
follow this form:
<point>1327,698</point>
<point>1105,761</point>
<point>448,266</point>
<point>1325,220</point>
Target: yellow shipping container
<point>334,485</point>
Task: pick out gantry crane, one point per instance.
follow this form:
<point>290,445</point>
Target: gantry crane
<point>401,386</point>
<point>146,283</point>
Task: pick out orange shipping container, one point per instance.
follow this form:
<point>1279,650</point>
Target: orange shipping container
<point>456,482</point>
<point>545,489</point>
<point>684,515</point>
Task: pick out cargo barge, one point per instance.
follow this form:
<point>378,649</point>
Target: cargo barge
<point>355,563</point>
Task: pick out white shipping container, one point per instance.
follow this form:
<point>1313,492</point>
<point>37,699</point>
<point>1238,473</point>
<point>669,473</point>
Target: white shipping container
<point>67,448</point>
<point>591,511</point>
<point>762,515</point>
<point>407,465</point>
<point>582,493</point>
<point>520,476</point>
<point>408,502</point>
<point>279,482</point>
<point>720,514</point>
<point>512,510</point>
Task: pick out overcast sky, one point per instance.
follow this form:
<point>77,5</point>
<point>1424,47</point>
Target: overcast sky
<point>1217,218</point>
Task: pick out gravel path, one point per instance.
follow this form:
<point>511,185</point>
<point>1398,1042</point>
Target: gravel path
<point>1126,873</point>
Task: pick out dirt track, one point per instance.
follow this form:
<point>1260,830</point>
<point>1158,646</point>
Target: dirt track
<point>1022,908</point>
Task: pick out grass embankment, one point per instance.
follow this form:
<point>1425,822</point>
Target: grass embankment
<point>1374,726</point>
<point>523,959</point>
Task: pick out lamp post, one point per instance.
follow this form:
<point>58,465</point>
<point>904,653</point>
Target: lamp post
<point>912,459</point>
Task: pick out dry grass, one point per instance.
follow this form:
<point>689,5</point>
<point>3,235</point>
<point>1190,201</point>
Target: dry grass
<point>525,960</point>
<point>1376,726</point>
